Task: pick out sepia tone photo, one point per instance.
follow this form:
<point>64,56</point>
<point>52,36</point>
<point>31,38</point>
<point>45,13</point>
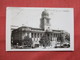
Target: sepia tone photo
<point>39,29</point>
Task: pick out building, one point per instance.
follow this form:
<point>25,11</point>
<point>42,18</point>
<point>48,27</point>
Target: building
<point>43,36</point>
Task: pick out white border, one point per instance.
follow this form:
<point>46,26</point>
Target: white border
<point>8,34</point>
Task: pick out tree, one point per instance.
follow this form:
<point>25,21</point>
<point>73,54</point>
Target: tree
<point>27,41</point>
<point>67,37</point>
<point>45,40</point>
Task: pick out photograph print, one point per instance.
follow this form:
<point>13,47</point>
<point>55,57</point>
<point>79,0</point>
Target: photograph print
<point>39,29</point>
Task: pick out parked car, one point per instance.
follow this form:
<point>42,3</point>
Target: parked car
<point>63,45</point>
<point>58,45</point>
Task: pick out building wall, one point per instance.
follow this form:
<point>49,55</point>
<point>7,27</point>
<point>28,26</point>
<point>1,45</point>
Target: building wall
<point>36,36</point>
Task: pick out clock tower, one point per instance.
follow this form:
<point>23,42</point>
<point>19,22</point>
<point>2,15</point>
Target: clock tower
<point>45,21</point>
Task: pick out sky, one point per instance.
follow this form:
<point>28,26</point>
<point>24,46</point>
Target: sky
<point>60,18</point>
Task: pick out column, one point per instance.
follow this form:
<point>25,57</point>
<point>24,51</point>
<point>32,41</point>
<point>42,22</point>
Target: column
<point>29,35</point>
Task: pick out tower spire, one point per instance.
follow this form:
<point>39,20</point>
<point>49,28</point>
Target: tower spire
<point>45,20</point>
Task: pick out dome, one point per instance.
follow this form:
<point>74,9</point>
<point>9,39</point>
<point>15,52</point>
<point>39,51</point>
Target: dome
<point>45,13</point>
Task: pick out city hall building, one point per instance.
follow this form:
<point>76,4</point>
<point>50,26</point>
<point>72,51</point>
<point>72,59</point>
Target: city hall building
<point>21,34</point>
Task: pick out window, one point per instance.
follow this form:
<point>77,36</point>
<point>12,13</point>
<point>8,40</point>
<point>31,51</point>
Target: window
<point>35,35</point>
<point>32,35</point>
<point>47,34</point>
<point>41,35</point>
<point>38,35</point>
